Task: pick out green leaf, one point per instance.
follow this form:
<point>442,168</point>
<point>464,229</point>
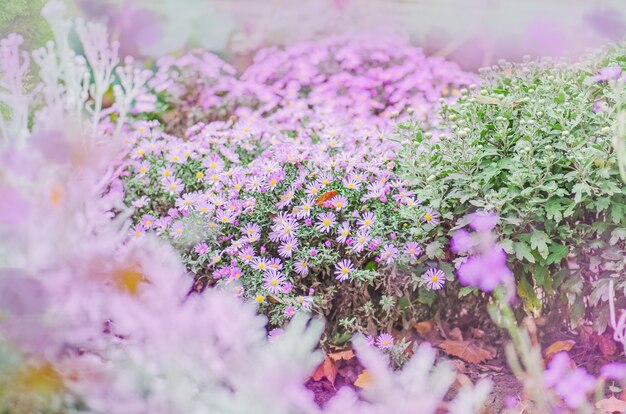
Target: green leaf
<point>426,296</point>
<point>522,252</point>
<point>371,265</point>
<point>554,210</point>
<point>557,253</point>
<point>579,189</point>
<point>528,295</point>
<point>466,290</point>
<point>617,235</point>
<point>434,249</point>
<point>539,240</point>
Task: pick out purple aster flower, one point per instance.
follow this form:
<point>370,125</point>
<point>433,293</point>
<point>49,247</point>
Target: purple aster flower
<point>361,240</point>
<point>367,221</point>
<point>389,253</point>
<point>384,341</point>
<point>290,311</point>
<point>339,202</point>
<point>343,270</point>
<point>344,232</point>
<point>275,263</point>
<point>462,241</point>
<point>486,270</point>
<point>413,249</point>
<point>434,278</point>
<point>325,222</point>
<point>260,263</point>
<point>570,384</point>
<point>302,267</point>
<point>275,334</point>
<point>273,281</point>
<point>370,340</point>
<point>483,220</point>
<point>614,371</point>
<point>287,248</point>
<point>607,74</point>
<point>430,216</point>
<point>201,248</point>
<point>148,221</point>
<point>177,229</point>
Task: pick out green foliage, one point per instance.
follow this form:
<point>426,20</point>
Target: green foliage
<point>24,17</point>
<point>534,144</point>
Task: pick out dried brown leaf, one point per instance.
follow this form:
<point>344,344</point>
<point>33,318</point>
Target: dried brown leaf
<point>558,346</point>
<point>327,369</point>
<point>364,380</point>
<point>338,356</point>
<point>611,405</point>
<point>466,350</point>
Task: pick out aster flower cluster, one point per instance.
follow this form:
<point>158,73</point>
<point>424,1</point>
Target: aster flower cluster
<point>95,321</point>
<point>365,76</point>
<point>371,79</point>
<point>289,225</point>
<point>484,264</point>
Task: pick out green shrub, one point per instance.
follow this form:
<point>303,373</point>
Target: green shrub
<point>534,144</point>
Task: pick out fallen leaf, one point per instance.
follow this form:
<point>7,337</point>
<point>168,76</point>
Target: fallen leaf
<point>338,356</point>
<point>327,369</point>
<point>423,328</point>
<point>467,351</point>
<point>329,195</point>
<point>558,346</point>
<point>607,345</point>
<point>364,380</point>
<point>611,405</point>
<point>456,334</point>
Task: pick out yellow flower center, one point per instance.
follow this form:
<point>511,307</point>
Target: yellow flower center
<point>326,223</point>
<point>428,217</point>
<point>200,175</point>
<point>260,298</point>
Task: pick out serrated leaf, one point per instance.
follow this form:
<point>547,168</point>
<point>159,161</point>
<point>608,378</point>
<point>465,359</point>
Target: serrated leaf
<point>522,252</point>
<point>539,241</point>
<point>557,253</point>
<point>433,249</point>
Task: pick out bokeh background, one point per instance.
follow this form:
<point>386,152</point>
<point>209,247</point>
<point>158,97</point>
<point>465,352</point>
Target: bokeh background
<point>473,32</point>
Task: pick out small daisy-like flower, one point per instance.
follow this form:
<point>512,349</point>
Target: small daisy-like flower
<point>413,249</point>
<point>224,217</point>
<point>259,298</point>
<point>361,240</point>
<point>367,221</point>
<point>148,221</point>
<point>288,247</point>
<point>273,281</point>
<point>434,278</point>
<point>290,311</point>
<point>302,267</point>
<point>304,210</point>
<point>177,229</point>
<point>325,222</point>
<point>430,216</point>
<point>339,202</point>
<point>370,340</point>
<point>275,334</point>
<point>343,270</point>
<point>201,249</point>
<point>384,341</point>
<point>275,263</point>
<point>260,263</point>
<point>344,232</point>
<point>389,253</point>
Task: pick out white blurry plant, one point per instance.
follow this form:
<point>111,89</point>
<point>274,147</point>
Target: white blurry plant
<point>14,66</point>
<point>109,319</point>
<point>419,388</point>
